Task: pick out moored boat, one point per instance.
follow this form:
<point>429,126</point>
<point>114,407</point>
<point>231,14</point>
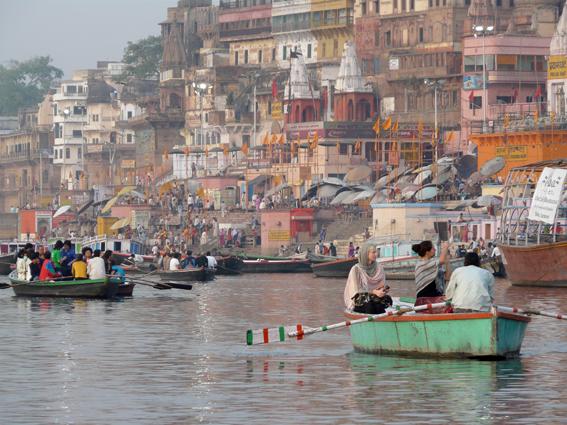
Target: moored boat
<point>126,289</point>
<point>495,266</point>
<point>229,265</point>
<point>405,269</point>
<point>102,288</point>
<point>6,261</point>
<point>339,268</point>
<point>189,275</point>
<point>269,266</point>
<point>492,334</point>
<point>535,250</point>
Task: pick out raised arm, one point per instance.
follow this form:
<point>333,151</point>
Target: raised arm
<point>444,252</point>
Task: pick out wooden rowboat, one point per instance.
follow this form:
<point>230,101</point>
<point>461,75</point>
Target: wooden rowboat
<point>493,334</point>
<point>268,266</point>
<point>189,275</point>
<point>339,268</point>
<point>229,265</point>
<point>103,288</point>
<point>6,261</point>
<point>126,289</point>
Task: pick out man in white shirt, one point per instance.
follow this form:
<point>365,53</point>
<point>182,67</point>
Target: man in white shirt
<point>155,249</point>
<point>495,251</point>
<point>197,221</point>
<point>212,261</point>
<point>174,262</point>
<point>95,268</point>
<point>471,288</point>
<point>190,201</point>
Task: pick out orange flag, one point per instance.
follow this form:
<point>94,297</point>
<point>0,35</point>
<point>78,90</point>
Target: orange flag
<point>387,124</point>
<point>244,149</point>
<point>281,140</point>
<point>420,127</point>
<point>308,140</point>
<point>82,175</point>
<point>413,142</point>
<point>266,139</point>
<point>376,144</point>
<point>395,127</point>
<point>357,146</point>
<point>450,138</point>
<point>376,127</point>
<point>293,146</point>
<point>206,152</point>
<point>225,150</point>
<point>146,169</point>
<point>274,138</point>
<point>186,150</point>
<point>70,175</point>
<point>315,140</point>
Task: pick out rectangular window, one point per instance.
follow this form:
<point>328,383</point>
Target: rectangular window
<point>412,4</point>
<point>324,50</point>
<point>395,5</point>
<point>363,8</point>
<point>421,35</point>
<point>376,65</point>
<point>336,48</point>
<point>235,58</point>
<point>430,33</point>
<point>129,114</point>
<point>469,63</point>
<point>404,5</point>
<point>377,7</point>
<point>71,89</point>
<point>430,3</point>
<point>309,51</point>
<point>363,66</point>
<point>468,2</point>
<point>529,99</point>
<point>377,39</point>
<point>273,55</point>
<point>506,62</point>
<point>437,3</point>
<point>444,2</point>
<point>284,57</point>
<point>388,40</point>
<point>504,99</point>
<point>129,138</point>
<point>246,56</point>
<point>343,149</point>
<point>259,56</point>
<point>444,33</point>
<point>499,3</point>
<point>456,98</point>
<point>58,131</point>
<point>77,134</point>
<point>477,102</point>
<point>511,3</point>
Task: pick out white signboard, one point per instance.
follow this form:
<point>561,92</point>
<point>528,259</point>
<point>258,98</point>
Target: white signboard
<point>547,195</point>
<point>394,64</point>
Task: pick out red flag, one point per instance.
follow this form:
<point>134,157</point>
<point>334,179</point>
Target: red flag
<point>274,89</point>
<point>471,97</point>
<point>515,98</point>
<point>538,92</point>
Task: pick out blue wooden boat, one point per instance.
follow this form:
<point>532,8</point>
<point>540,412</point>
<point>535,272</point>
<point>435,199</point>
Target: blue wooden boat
<point>494,334</point>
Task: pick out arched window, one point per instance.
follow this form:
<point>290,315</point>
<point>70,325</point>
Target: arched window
<point>68,153</point>
<point>79,153</point>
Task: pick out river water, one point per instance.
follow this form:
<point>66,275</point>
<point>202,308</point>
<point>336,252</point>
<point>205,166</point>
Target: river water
<point>171,357</point>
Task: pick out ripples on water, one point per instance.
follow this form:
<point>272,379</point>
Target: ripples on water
<point>180,357</point>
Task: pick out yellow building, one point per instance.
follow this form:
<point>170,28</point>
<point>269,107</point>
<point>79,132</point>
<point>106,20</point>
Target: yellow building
<point>332,24</point>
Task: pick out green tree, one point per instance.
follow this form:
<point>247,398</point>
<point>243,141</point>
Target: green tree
<point>141,59</point>
<point>23,84</point>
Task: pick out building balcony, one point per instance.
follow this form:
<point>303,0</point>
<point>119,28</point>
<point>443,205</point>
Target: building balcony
<point>500,76</point>
<point>74,94</point>
<point>291,26</point>
<point>332,22</point>
<point>245,32</point>
<point>241,4</point>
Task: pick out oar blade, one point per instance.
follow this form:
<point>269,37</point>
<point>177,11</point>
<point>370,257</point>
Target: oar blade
<point>269,335</point>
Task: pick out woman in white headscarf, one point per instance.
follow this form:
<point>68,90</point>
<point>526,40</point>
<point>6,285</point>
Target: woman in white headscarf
<point>366,290</point>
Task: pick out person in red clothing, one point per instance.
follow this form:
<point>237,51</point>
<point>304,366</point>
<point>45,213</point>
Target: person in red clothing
<point>48,268</point>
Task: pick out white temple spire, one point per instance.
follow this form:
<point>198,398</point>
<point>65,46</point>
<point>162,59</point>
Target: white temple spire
<point>350,78</point>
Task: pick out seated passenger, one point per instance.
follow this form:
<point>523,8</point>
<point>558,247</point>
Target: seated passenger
<point>189,262</point>
<point>212,262</point>
<point>48,268</point>
<point>174,262</point>
<point>79,268</point>
<point>429,281</point>
<point>366,290</point>
<point>471,288</point>
<point>118,271</point>
<point>34,268</point>
<point>202,261</point>
<point>96,268</point>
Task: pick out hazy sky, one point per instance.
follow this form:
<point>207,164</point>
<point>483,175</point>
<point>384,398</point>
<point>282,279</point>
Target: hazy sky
<point>76,33</point>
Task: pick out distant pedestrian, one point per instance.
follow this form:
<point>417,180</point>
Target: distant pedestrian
<point>323,233</point>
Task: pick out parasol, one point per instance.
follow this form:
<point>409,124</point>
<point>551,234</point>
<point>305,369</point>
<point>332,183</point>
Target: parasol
<point>426,193</point>
<point>177,152</point>
<point>85,206</point>
<point>327,143</point>
<point>61,210</point>
<point>421,177</point>
<point>362,196</point>
<point>357,174</point>
<point>109,204</point>
<point>217,149</point>
<point>465,204</point>
<point>333,180</point>
<point>259,148</point>
<point>341,196</point>
<point>466,165</point>
<point>126,190</point>
<point>487,200</point>
<point>234,149</point>
<point>474,178</point>
<point>328,190</point>
<point>102,201</point>
<point>276,189</point>
<point>350,198</point>
<point>138,195</point>
<point>118,224</point>
<point>493,166</point>
<point>443,177</point>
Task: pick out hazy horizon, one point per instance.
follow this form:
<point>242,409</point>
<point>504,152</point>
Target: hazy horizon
<point>76,33</point>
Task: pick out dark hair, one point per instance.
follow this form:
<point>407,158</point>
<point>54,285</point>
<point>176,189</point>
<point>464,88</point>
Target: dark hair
<point>189,252</point>
<point>107,254</point>
<point>58,245</point>
<point>32,256</point>
<point>96,253</point>
<point>209,253</point>
<point>47,255</point>
<point>28,246</point>
<point>85,249</point>
<point>79,257</point>
<point>68,243</point>
<point>472,259</point>
<point>422,248</point>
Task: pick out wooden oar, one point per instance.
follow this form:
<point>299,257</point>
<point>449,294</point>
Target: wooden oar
<point>157,285</point>
<point>286,333</point>
<point>528,310</point>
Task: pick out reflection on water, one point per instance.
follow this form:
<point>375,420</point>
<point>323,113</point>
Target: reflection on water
<point>180,357</point>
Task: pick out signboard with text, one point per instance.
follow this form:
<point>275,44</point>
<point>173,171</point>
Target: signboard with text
<point>547,195</point>
<point>129,163</point>
<point>512,153</point>
<point>277,111</point>
<point>278,235</point>
<point>556,67</point>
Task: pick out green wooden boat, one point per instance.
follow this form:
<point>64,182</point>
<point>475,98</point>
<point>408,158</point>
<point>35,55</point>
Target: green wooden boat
<point>493,334</point>
<point>103,288</point>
